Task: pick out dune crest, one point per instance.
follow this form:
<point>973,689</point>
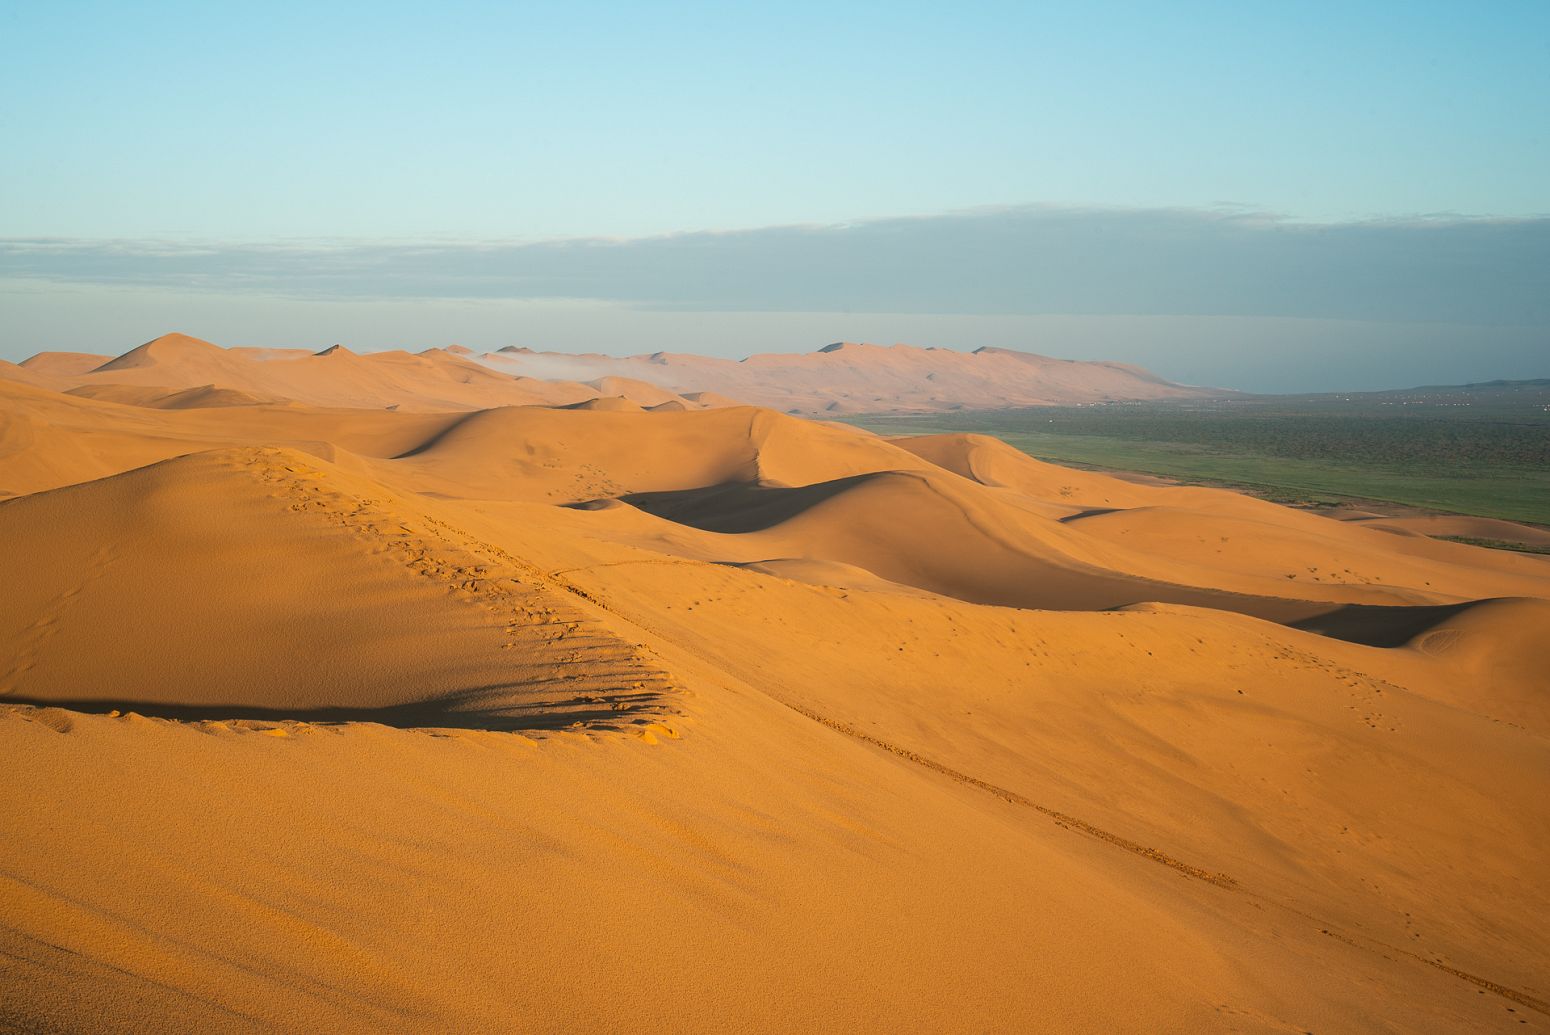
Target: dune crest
<point>229,511</point>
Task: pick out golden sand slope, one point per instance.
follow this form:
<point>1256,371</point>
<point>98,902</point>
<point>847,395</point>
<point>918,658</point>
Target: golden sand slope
<point>15,372</point>
<point>302,548</point>
<point>547,718</point>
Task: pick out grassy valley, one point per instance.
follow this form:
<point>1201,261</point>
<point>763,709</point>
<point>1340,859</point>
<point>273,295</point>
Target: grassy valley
<point>1470,449</point>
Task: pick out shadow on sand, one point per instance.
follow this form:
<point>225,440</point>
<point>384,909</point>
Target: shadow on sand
<point>1380,625</point>
<point>623,708</point>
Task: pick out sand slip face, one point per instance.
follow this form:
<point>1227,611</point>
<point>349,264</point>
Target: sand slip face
<point>544,718</point>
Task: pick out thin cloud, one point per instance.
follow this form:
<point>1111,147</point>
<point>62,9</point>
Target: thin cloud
<point>1030,261</point>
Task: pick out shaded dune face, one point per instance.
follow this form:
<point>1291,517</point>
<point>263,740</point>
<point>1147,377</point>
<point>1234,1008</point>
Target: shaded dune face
<point>739,507</point>
<point>1379,626</point>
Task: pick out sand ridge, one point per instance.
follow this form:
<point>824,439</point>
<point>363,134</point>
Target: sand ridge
<point>547,664</point>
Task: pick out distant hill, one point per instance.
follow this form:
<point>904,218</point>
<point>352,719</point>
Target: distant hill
<point>176,370</point>
<point>837,379</point>
<point>1529,385</point>
<point>847,377</point>
<point>1499,397</point>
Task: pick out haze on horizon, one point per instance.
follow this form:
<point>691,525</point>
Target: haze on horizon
<point>1227,196</point>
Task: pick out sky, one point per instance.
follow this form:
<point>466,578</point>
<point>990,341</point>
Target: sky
<point>1268,196</point>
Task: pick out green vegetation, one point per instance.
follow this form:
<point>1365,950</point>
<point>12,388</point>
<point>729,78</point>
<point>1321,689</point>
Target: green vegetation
<point>1482,451</point>
<point>1495,544</point>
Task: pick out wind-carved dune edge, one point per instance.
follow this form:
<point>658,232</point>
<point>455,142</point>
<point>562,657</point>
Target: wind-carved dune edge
<point>562,668</point>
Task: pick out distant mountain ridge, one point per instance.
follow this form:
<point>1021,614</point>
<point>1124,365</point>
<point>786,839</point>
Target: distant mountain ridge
<point>845,377</point>
<point>852,377</point>
<point>1501,383</point>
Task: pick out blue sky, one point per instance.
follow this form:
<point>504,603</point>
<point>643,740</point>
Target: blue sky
<point>134,131</point>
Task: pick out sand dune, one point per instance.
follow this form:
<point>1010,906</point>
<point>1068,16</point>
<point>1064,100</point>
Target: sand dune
<point>618,709</point>
<point>64,364</point>
<point>1272,757</point>
<point>21,374</point>
<point>992,462</point>
<point>140,553</point>
<point>1231,540</point>
<point>711,400</point>
<point>837,379</point>
<point>162,399</point>
<point>50,439</point>
<point>1460,525</point>
<point>848,377</point>
<point>430,381</point>
<point>1164,681</point>
<point>642,392</point>
<point>1021,532</point>
<point>952,544</point>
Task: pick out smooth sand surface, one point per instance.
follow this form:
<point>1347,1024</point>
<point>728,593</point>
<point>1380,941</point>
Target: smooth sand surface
<point>605,716</point>
<point>1455,525</point>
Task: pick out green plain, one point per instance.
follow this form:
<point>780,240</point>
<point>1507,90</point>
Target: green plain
<point>1462,465</point>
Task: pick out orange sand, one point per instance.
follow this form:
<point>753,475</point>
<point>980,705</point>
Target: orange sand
<point>591,707</point>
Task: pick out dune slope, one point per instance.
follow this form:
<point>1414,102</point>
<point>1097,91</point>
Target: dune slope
<point>185,552</point>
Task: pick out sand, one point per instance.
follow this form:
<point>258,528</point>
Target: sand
<point>432,380</point>
<point>852,377</point>
<point>592,713</point>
